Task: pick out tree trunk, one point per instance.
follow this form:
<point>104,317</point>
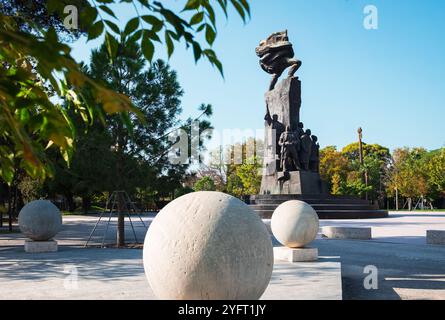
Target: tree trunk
<point>10,206</point>
<point>86,204</point>
<point>120,237</point>
<point>410,205</point>
<point>70,202</point>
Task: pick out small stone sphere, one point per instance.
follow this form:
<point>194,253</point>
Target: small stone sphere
<point>208,246</point>
<point>294,224</point>
<point>40,220</point>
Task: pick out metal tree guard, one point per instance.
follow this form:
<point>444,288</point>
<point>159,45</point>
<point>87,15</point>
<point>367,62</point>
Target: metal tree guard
<point>111,208</point>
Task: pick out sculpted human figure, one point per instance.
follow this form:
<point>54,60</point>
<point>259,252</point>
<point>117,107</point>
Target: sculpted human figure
<point>305,149</point>
<point>278,127</point>
<point>290,144</point>
<point>314,160</point>
<point>276,55</point>
<point>300,129</point>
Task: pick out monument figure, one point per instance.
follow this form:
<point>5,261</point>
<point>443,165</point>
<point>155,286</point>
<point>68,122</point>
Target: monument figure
<point>276,55</point>
<point>305,150</point>
<point>314,161</point>
<point>277,126</point>
<point>290,145</point>
<point>300,129</point>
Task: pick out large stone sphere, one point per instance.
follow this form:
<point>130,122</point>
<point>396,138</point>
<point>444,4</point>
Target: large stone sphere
<point>208,246</point>
<point>40,220</point>
<point>294,224</point>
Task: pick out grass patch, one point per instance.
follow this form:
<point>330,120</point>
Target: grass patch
<point>4,230</point>
<point>414,211</point>
<point>79,212</point>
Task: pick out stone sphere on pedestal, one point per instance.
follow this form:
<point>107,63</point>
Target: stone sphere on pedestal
<point>208,245</point>
<point>294,224</point>
<point>40,220</point>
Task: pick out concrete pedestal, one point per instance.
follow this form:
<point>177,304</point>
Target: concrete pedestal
<point>356,233</point>
<point>299,182</point>
<point>295,254</point>
<point>435,237</point>
<point>40,246</point>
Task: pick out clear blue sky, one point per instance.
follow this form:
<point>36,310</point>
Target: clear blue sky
<point>389,81</point>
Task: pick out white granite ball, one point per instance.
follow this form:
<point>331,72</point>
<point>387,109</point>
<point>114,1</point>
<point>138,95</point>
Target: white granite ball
<point>40,220</point>
<point>208,245</point>
<point>294,224</point>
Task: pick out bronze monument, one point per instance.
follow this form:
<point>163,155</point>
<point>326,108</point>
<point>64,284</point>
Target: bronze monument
<point>292,153</point>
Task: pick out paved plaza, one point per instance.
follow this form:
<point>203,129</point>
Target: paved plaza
<point>407,267</point>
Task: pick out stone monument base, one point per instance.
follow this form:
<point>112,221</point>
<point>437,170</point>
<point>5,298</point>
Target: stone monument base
<point>298,182</point>
<point>32,246</point>
<point>295,254</point>
<point>354,233</point>
<point>435,237</point>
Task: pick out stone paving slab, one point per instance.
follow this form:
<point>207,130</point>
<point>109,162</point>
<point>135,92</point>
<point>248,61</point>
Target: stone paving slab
<point>319,280</point>
<point>78,273</point>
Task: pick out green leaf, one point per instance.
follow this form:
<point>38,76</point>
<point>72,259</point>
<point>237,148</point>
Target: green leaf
<point>95,30</point>
<point>131,26</point>
<point>223,5</point>
<point>107,10</point>
<point>191,5</point>
<point>169,43</point>
<point>51,36</point>
<point>105,1</point>
<point>136,36</point>
<point>152,35</point>
<point>7,171</point>
<point>197,51</point>
<point>197,18</point>
<point>113,26</point>
<point>210,34</point>
<point>52,6</point>
<point>201,27</point>
<point>24,115</point>
<point>213,59</point>
<point>210,13</point>
<point>178,23</point>
<point>147,47</point>
<point>145,3</point>
<point>246,6</point>
<point>88,16</point>
<point>155,22</point>
<point>239,8</point>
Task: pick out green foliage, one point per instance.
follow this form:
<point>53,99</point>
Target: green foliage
<point>249,176</point>
<point>182,191</point>
<point>30,189</point>
<point>345,173</point>
<point>205,184</point>
<point>336,184</point>
<point>334,168</point>
<point>409,173</point>
<point>28,14</point>
<point>243,168</point>
<point>109,156</point>
<point>351,151</point>
<point>35,67</point>
<point>435,168</point>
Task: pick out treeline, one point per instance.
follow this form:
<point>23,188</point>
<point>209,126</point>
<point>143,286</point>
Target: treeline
<point>403,179</point>
<point>406,178</point>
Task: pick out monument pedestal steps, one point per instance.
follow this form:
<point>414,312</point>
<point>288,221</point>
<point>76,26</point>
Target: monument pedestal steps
<point>327,206</point>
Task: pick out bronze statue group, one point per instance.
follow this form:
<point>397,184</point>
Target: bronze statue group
<point>298,150</point>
